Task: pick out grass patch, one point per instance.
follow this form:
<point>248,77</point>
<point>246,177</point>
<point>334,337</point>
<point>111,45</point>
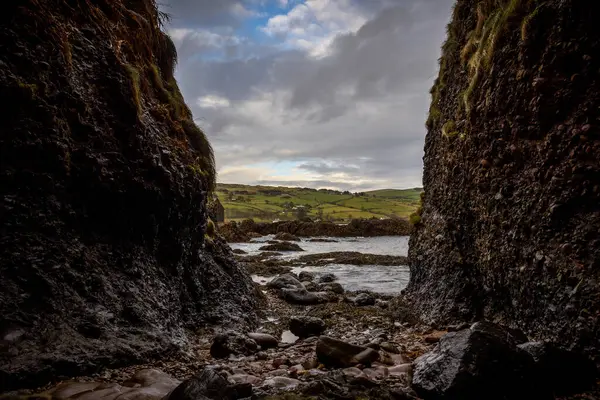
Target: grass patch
<point>134,81</point>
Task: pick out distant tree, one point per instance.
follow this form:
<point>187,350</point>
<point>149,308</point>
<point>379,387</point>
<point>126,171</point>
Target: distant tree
<point>301,213</point>
<point>320,213</point>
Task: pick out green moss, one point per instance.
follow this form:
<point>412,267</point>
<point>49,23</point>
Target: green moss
<point>211,231</point>
<point>449,129</point>
<point>166,95</point>
<point>414,219</point>
<point>134,80</point>
<point>478,52</point>
<point>205,162</point>
<point>526,24</point>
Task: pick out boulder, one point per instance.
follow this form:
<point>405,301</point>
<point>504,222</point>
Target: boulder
<point>327,277</point>
<point>287,237</point>
<point>364,299</point>
<point>285,281</point>
<point>232,342</point>
<point>337,353</point>
<point>332,287</point>
<point>208,384</point>
<point>306,276</point>
<point>303,296</point>
<point>304,326</point>
<point>563,372</point>
<point>482,362</point>
<point>264,340</point>
<point>281,246</point>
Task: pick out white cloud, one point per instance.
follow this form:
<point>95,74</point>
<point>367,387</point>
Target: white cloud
<point>313,25</point>
<point>212,101</point>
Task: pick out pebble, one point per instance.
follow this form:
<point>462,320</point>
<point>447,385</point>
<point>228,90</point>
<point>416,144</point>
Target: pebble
<point>281,382</point>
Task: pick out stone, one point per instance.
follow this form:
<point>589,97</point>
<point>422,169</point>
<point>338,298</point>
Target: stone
<point>400,370</point>
<point>434,337</point>
<point>332,287</point>
<point>281,246</point>
<point>304,326</point>
<point>285,281</point>
<point>208,384</point>
<point>244,378</point>
<point>306,276</point>
<point>337,353</point>
<point>327,277</point>
<point>389,347</point>
<point>264,340</point>
<point>364,299</point>
<point>561,371</point>
<point>232,343</point>
<point>282,382</point>
<point>286,237</point>
<point>482,362</point>
<point>303,296</point>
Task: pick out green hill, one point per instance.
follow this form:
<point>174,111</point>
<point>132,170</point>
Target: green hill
<point>268,203</point>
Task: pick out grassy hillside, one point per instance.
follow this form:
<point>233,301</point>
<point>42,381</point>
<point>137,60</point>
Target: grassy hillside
<point>268,203</point>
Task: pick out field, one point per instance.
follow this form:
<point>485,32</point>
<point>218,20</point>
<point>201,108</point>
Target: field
<point>269,203</point>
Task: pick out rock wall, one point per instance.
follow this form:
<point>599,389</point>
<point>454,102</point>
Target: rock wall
<point>510,224</point>
<point>104,259</point>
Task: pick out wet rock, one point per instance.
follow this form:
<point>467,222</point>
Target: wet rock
<point>327,277</point>
<point>287,237</point>
<point>434,337</point>
<point>364,299</point>
<point>283,383</point>
<point>482,362</point>
<point>285,281</point>
<point>208,384</point>
<point>320,240</point>
<point>337,353</point>
<point>306,276</point>
<point>400,370</point>
<point>562,372</point>
<point>238,251</point>
<point>148,384</point>
<point>264,340</point>
<point>333,287</point>
<point>244,379</point>
<point>304,326</point>
<point>389,347</point>
<point>281,246</point>
<point>232,342</point>
<point>303,297</point>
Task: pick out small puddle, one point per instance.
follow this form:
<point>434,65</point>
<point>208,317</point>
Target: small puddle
<point>288,337</point>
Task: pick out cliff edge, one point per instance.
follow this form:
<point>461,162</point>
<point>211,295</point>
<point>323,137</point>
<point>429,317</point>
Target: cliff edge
<point>105,255</point>
<point>510,224</point>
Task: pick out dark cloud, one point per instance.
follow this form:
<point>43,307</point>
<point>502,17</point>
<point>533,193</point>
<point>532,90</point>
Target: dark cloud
<point>357,110</point>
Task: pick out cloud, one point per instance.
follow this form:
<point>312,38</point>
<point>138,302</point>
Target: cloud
<point>337,88</point>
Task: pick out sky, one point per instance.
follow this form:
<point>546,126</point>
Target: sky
<point>312,93</point>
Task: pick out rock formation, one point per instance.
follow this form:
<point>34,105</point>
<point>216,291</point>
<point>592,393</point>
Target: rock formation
<point>510,223</point>
<point>105,258</point>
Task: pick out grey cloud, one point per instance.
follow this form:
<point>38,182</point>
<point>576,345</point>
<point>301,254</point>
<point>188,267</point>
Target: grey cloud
<point>387,67</point>
<point>191,13</point>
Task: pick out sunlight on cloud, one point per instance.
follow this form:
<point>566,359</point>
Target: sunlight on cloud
<point>212,101</point>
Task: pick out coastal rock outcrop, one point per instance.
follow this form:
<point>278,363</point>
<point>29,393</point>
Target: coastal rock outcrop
<point>509,228</point>
<point>106,258</point>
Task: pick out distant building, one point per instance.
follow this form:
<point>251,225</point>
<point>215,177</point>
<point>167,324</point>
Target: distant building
<point>216,211</point>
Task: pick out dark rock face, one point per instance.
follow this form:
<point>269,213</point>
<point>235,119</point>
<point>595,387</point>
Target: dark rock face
<point>482,362</point>
<point>232,342</point>
<point>103,186</point>
<point>304,326</point>
<point>562,372</point>
<point>337,353</point>
<point>510,224</point>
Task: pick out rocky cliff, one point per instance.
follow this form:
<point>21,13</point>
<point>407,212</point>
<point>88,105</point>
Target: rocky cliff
<point>510,224</point>
<point>104,255</point>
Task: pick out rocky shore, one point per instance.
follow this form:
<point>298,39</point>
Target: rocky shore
<point>244,231</point>
<point>316,340</point>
